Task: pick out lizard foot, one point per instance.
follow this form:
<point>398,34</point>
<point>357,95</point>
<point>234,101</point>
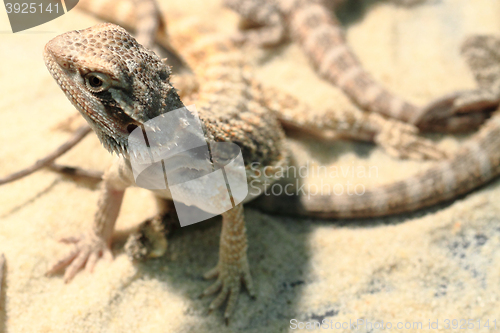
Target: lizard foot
<point>229,278</point>
<point>88,249</point>
<point>402,141</point>
<point>458,112</point>
<point>150,240</point>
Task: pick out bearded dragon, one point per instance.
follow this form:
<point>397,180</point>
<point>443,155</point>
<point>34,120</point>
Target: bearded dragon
<point>315,28</point>
<point>117,85</point>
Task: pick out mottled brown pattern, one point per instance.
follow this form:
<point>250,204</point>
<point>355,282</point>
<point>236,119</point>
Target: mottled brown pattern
<point>475,164</point>
<point>234,108</point>
<point>311,24</point>
<point>124,97</point>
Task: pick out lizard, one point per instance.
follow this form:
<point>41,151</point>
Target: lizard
<point>67,64</point>
<point>482,54</point>
<point>375,205</point>
<point>117,85</point>
<point>320,35</point>
<point>351,123</point>
<point>474,164</point>
<point>143,17</point>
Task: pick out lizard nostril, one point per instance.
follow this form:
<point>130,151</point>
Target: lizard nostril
<point>131,128</point>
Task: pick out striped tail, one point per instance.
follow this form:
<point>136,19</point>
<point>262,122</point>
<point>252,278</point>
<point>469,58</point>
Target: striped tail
<point>323,40</point>
<point>476,163</point>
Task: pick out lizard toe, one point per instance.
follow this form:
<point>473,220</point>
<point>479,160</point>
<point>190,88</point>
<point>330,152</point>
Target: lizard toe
<point>87,251</point>
<point>221,297</point>
<point>402,141</point>
<point>76,265</point>
<point>213,288</point>
<point>230,278</point>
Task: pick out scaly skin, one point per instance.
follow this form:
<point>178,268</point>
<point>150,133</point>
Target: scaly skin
<point>319,33</point>
<point>134,87</point>
<point>125,69</point>
<point>212,57</point>
<point>477,162</point>
<point>398,139</point>
<point>117,85</point>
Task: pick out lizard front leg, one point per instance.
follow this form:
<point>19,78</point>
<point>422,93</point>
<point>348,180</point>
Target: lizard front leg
<point>96,242</point>
<point>232,268</point>
<point>398,139</point>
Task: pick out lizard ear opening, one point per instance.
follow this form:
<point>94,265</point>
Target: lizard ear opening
<point>163,75</point>
<point>131,128</point>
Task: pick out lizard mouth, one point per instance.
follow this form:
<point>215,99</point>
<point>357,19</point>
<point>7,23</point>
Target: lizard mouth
<point>68,80</point>
<point>60,69</point>
<point>52,65</point>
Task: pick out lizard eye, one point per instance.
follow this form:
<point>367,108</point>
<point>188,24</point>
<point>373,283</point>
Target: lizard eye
<point>97,82</point>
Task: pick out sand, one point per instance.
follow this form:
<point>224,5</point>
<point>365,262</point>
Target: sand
<point>436,265</point>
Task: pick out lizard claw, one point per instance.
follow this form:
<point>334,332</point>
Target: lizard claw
<point>229,279</point>
<point>402,141</point>
<point>88,248</point>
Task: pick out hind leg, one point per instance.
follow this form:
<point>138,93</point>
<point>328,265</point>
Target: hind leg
<point>150,239</point>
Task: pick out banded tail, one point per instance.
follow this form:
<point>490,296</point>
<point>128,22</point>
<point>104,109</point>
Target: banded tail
<point>476,163</point>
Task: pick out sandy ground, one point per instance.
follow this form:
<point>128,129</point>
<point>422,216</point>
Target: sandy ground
<point>438,265</point>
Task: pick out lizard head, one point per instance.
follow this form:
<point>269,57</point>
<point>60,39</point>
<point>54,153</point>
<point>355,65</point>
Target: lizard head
<point>113,81</point>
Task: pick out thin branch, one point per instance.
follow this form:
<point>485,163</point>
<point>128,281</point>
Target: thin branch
<point>2,268</point>
<point>77,137</point>
<point>92,175</point>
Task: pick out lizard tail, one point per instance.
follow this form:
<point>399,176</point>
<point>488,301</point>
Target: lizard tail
<point>476,163</point>
<point>323,40</point>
